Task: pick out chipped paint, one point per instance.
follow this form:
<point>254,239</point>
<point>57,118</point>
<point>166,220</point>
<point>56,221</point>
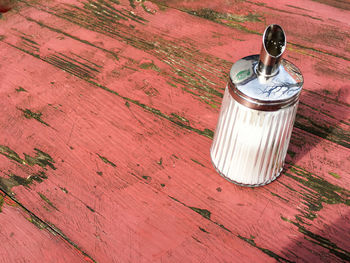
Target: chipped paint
<point>203,230</point>
<point>317,191</point>
<point>6,184</point>
<point>280,197</point>
<point>251,242</point>
<point>54,228</point>
<point>105,160</point>
<point>207,215</point>
<point>187,76</point>
<point>88,207</point>
<point>219,17</point>
<point>146,177</point>
<point>1,202</point>
<point>27,113</point>
<point>227,19</point>
<point>150,65</point>
<point>47,200</point>
<point>64,190</point>
<point>41,158</point>
<point>20,89</point>
<point>328,132</point>
<point>197,162</point>
<point>335,175</point>
<point>183,119</point>
<point>203,212</point>
<point>321,241</point>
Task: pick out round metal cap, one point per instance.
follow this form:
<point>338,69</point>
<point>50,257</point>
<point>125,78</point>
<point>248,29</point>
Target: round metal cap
<point>262,92</point>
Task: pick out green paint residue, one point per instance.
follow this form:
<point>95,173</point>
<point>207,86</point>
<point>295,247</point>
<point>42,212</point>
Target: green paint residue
<point>132,3</point>
<point>39,177</point>
<point>228,19</point>
<point>88,207</point>
<point>203,212</point>
<point>179,117</point>
<point>20,89</point>
<point>280,197</point>
<point>171,84</point>
<point>10,154</point>
<point>264,250</point>
<point>33,115</point>
<point>100,16</point>
<point>317,191</point>
<point>64,190</point>
<point>321,241</point>
<point>334,175</point>
<point>207,214</point>
<point>146,8</point>
<point>208,133</point>
<point>114,55</point>
<point>203,230</point>
<point>71,66</point>
<point>197,162</point>
<point>1,202</point>
<point>139,44</point>
<point>37,222</point>
<point>196,81</point>
<point>20,180</point>
<point>150,65</point>
<point>213,105</point>
<point>330,133</point>
<point>30,41</point>
<point>41,158</point>
<point>47,200</point>
<point>105,160</point>
<point>218,17</point>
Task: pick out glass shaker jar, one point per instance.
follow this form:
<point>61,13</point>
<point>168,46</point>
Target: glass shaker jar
<point>257,114</point>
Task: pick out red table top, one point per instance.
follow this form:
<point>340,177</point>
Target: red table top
<point>108,110</point>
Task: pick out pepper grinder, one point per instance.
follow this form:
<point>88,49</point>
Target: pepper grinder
<point>257,114</point>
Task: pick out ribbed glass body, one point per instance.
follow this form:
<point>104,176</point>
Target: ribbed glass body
<point>250,146</point>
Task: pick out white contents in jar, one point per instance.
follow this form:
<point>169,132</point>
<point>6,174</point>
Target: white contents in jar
<point>249,145</point>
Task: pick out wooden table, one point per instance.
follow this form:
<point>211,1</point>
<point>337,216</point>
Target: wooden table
<point>108,109</point>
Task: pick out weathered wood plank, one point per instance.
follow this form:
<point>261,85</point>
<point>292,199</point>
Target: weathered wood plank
<point>24,238</point>
<point>109,228</point>
<point>127,175</point>
<point>327,27</point>
<point>313,117</point>
<point>198,76</point>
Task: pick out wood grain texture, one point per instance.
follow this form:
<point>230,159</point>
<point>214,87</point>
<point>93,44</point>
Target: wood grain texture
<point>24,238</point>
<point>108,111</point>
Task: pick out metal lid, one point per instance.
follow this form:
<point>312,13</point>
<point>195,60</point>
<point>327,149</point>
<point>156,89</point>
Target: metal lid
<point>266,82</point>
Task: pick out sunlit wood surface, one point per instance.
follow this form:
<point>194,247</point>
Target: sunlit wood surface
<point>107,113</point>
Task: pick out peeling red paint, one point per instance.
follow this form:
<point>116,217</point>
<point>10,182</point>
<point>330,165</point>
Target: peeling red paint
<point>130,94</point>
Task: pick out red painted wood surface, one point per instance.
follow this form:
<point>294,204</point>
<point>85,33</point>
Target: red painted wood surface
<point>107,113</point>
<point>22,242</point>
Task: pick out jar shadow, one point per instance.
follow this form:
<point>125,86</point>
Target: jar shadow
<point>319,119</point>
